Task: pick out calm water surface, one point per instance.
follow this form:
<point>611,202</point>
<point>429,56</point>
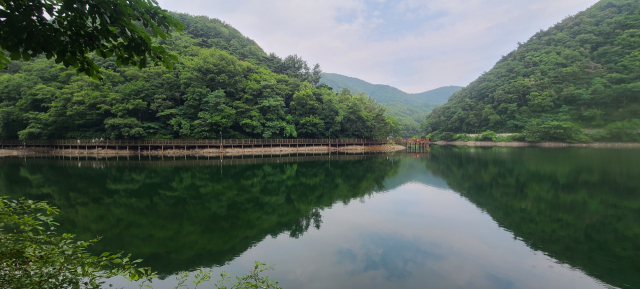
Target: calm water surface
<point>452,218</point>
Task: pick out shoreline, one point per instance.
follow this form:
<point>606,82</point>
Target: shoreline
<point>540,144</point>
<point>196,152</point>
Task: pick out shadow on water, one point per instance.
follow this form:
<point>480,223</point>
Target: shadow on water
<point>579,206</point>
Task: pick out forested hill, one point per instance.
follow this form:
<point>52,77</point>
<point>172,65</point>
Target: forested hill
<point>583,72</point>
<point>409,110</point>
<point>437,96</point>
<point>223,82</point>
<point>385,93</point>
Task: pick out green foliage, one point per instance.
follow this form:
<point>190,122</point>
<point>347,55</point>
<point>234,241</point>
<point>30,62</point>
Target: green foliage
<point>34,256</point>
<point>584,70</point>
<point>621,131</point>
<point>464,137</point>
<point>517,137</point>
<point>447,136</point>
<point>223,83</point>
<point>487,136</point>
<point>109,29</point>
<point>251,280</point>
<point>537,131</point>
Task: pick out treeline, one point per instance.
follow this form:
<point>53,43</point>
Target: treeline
<point>223,83</point>
<point>583,73</point>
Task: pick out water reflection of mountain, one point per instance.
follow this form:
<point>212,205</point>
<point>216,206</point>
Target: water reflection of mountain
<point>413,170</point>
<point>579,206</point>
<point>179,218</point>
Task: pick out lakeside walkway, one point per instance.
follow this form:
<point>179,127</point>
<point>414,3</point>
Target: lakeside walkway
<point>162,144</point>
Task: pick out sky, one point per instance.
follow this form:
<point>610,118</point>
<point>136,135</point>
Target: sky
<point>414,45</point>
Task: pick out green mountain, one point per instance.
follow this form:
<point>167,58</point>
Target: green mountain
<point>584,72</point>
<point>223,83</point>
<point>437,96</point>
<point>385,93</point>
<point>409,110</point>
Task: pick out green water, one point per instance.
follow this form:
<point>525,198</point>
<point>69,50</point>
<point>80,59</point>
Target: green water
<point>453,218</point>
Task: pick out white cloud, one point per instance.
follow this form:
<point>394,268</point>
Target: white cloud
<point>414,45</point>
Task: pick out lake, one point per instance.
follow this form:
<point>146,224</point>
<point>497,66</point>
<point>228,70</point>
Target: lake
<point>455,217</point>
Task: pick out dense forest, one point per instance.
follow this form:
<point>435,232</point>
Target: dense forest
<point>409,110</point>
<point>583,73</point>
<point>223,83</point>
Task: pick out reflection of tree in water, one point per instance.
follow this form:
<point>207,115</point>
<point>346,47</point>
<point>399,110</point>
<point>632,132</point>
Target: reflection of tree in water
<point>178,218</point>
<point>394,255</point>
<point>579,206</point>
<point>298,229</point>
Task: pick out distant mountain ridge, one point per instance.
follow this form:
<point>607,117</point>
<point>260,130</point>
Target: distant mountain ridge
<point>409,109</point>
<point>386,93</point>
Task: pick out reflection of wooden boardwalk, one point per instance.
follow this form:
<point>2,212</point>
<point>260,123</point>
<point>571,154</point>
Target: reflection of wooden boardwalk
<point>88,162</point>
<point>155,144</point>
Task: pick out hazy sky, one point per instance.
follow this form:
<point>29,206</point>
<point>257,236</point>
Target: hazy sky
<point>415,45</point>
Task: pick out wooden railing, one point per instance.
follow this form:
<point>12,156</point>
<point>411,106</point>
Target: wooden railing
<point>189,142</point>
<point>416,140</point>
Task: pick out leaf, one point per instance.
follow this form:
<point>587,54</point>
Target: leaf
<point>15,56</point>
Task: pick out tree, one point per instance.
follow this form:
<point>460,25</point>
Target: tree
<point>541,130</point>
<point>316,75</point>
<point>68,30</point>
<point>34,256</point>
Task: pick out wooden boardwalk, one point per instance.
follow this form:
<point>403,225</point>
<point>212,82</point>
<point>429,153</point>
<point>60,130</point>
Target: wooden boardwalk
<point>416,145</point>
<point>161,144</point>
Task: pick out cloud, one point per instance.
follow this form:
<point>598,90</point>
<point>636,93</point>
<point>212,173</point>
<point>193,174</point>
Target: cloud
<point>414,45</point>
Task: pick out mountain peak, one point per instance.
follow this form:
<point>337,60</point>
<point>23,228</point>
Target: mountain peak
<point>386,93</point>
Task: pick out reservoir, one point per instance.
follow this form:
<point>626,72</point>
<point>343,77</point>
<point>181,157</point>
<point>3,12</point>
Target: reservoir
<point>452,217</point>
